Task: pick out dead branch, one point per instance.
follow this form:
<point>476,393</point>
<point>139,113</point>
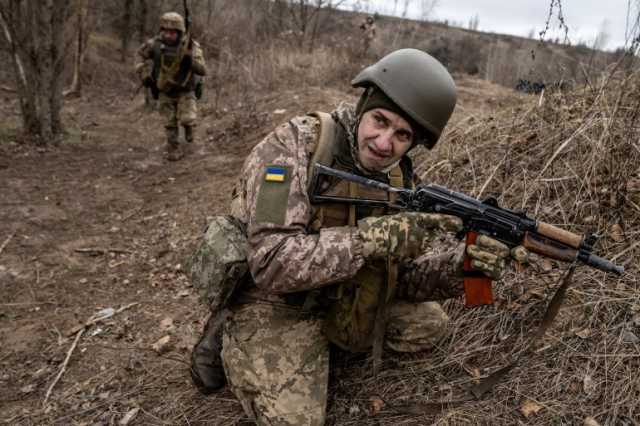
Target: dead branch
<point>63,368</point>
<point>92,321</point>
<point>101,251</point>
<point>4,244</point>
<point>78,333</point>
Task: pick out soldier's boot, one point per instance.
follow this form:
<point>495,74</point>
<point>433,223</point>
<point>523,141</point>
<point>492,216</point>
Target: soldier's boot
<point>174,152</point>
<point>188,133</point>
<point>207,372</point>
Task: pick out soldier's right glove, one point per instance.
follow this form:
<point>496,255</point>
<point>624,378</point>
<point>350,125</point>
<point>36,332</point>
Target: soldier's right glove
<point>403,235</point>
<point>490,256</point>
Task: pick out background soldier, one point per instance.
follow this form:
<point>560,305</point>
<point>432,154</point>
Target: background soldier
<point>169,64</point>
<point>368,28</point>
<point>339,273</point>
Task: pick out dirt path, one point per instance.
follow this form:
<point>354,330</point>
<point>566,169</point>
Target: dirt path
<point>103,221</point>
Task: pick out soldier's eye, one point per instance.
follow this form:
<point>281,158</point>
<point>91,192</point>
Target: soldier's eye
<point>404,136</point>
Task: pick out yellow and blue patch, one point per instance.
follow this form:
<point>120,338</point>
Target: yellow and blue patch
<point>275,174</point>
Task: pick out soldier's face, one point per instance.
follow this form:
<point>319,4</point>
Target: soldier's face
<point>169,36</point>
<point>383,138</point>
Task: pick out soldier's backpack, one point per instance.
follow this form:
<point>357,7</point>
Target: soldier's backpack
<point>219,264</point>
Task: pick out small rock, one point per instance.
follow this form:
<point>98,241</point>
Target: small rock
<point>354,410</point>
<point>131,414</point>
<point>163,345</point>
<point>588,385</point>
<point>27,389</point>
<point>590,421</point>
<point>167,324</point>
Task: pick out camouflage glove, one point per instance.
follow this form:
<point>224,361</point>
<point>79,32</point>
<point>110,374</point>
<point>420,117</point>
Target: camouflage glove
<point>403,234</point>
<point>490,256</point>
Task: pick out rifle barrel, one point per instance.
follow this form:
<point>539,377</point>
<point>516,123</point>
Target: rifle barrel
<point>320,169</point>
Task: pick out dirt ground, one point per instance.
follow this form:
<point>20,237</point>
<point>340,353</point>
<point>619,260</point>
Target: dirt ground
<point>102,221</point>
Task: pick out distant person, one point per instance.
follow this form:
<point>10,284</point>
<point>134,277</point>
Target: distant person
<point>368,28</point>
<point>171,64</point>
<point>334,274</point>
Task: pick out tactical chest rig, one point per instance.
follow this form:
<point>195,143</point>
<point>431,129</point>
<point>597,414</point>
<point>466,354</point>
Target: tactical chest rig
<point>167,71</point>
<point>357,308</point>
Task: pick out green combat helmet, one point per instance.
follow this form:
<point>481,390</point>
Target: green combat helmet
<point>419,84</point>
<point>172,21</point>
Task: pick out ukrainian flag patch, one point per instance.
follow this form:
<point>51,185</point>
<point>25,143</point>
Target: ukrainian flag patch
<point>275,174</point>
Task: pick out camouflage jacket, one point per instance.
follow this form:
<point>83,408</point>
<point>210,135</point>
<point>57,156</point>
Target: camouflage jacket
<point>145,58</point>
<point>284,255</point>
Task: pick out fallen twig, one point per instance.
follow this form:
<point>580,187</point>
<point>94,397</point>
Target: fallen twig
<point>78,332</point>
<point>4,244</point>
<point>628,249</point>
<point>131,214</point>
<point>64,367</point>
<point>101,251</point>
<point>92,321</point>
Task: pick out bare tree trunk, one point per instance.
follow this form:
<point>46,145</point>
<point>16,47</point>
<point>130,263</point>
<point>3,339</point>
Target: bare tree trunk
<point>143,17</point>
<point>405,9</point>
<point>211,7</point>
<point>125,30</point>
<point>81,44</point>
<point>35,34</point>
<point>59,15</point>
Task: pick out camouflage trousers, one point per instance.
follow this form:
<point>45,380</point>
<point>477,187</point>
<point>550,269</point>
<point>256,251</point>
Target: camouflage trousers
<point>178,110</point>
<point>277,360</point>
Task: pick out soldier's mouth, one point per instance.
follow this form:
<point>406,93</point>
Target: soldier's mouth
<point>377,155</point>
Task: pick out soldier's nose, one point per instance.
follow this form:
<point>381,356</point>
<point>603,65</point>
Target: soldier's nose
<point>383,143</point>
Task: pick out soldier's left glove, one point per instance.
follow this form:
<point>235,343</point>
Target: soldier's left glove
<point>490,256</point>
<point>403,235</point>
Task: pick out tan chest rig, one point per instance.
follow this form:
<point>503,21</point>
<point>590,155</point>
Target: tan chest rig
<point>357,307</point>
<point>167,70</point>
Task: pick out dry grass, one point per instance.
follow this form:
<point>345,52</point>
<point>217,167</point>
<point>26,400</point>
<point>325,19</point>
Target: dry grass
<point>571,160</point>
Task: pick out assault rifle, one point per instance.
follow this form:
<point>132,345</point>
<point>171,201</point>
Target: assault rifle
<point>187,23</point>
<point>511,227</point>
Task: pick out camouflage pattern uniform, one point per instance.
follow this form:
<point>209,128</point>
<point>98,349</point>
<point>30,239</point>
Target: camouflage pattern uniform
<point>368,28</point>
<point>176,101</point>
<point>275,355</point>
